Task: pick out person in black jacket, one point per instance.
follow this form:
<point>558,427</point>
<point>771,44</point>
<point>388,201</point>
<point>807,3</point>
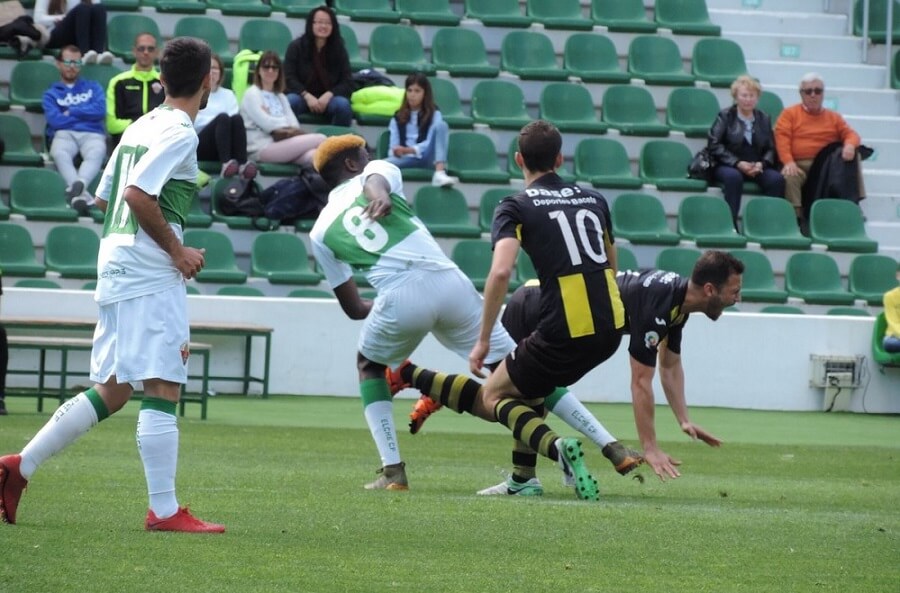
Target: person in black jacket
<point>317,70</point>
<point>742,146</point>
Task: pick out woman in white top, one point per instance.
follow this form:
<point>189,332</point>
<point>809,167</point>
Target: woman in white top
<point>75,22</point>
<point>273,132</point>
<point>220,128</point>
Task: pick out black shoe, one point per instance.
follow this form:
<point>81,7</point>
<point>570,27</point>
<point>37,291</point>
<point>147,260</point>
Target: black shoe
<point>3,411</point>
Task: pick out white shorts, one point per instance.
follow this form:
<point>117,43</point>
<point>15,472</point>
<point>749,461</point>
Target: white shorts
<point>142,338</point>
<point>444,303</point>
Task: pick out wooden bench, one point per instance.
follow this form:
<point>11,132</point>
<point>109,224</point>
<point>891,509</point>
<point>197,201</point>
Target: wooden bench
<point>247,331</point>
<point>45,344</point>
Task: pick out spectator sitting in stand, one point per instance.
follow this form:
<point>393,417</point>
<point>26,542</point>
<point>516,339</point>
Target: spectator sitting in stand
<point>220,128</point>
<point>892,316</point>
<point>317,70</point>
<point>76,22</point>
<point>273,132</point>
<point>134,92</point>
<point>75,110</point>
<point>742,146</point>
<point>419,135</point>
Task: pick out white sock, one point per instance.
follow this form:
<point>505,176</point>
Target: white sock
<point>380,418</point>
<point>578,417</point>
<point>71,420</point>
<point>157,440</point>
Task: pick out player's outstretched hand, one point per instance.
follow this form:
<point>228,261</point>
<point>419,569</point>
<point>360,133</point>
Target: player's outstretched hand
<point>476,358</point>
<point>697,432</point>
<point>190,261</point>
<point>663,465</point>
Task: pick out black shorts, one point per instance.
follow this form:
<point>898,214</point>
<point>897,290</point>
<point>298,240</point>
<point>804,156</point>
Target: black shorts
<point>537,367</point>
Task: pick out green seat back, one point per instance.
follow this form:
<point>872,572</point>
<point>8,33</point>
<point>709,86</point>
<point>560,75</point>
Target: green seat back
<point>877,20</point>
<point>102,73</point>
<point>122,29</point>
<point>17,137</point>
<point>815,278</point>
<point>570,107</point>
<point>40,283</point>
<point>295,8</point>
<point>245,8</point>
<point>240,291</point>
<point>879,354</point>
<point>604,163</point>
<point>220,265</point>
<point>473,157</point>
<point>691,110</point>
<point>772,223</point>
<point>627,16</point>
<point>17,255</point>
<point>499,103</point>
<point>29,81</point>
<point>427,12</point>
<point>782,310</point>
<point>839,225</point>
<point>758,280</point>
<point>871,275</point>
<point>718,61</point>
<point>770,104</point>
<point>656,60</point>
<point>445,212</point>
<point>310,293</point>
<point>283,259</point>
<point>680,260</point>
<point>351,44</point>
<point>264,34</point>
<point>641,219</point>
<point>530,56</point>
<point>631,110</point>
<point>39,194</point>
<point>473,256</point>
<point>398,48</point>
<point>559,14</point>
<point>488,203</point>
<point>626,259</point>
<point>71,250</point>
<point>497,13</point>
<point>847,312</point>
<point>446,97</point>
<point>208,29</point>
<point>593,58</point>
<point>377,11</point>
<point>706,220</point>
<point>461,52</point>
<point>664,163</point>
<point>685,17</point>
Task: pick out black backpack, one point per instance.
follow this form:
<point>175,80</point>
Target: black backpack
<point>293,198</point>
<point>241,198</point>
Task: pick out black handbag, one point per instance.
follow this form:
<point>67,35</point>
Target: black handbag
<point>701,165</point>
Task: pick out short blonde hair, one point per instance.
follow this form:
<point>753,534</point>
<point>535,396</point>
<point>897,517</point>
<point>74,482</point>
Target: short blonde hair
<point>746,81</point>
<point>335,145</point>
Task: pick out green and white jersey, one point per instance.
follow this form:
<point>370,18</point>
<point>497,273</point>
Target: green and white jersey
<point>157,154</point>
<point>385,249</point>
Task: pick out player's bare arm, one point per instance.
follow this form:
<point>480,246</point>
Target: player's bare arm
<point>378,191</point>
<point>495,288</point>
<point>354,306</point>
<point>145,208</point>
<point>643,404</point>
<point>671,376</point>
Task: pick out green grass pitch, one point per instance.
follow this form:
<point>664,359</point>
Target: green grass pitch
<point>792,502</point>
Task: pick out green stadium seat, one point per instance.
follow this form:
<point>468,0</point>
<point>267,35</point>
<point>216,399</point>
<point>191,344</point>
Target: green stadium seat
<point>782,310</point>
<point>473,158</point>
<point>879,354</point>
<point>19,148</point>
<point>877,20</point>
<point>210,30</point>
<point>758,280</point>
<point>772,223</point>
<point>570,108</point>
<point>603,162</point>
<point>871,275</point>
<point>692,111</point>
<point>197,218</point>
<point>39,283</point>
<point>122,29</point>
<point>626,259</point>
<point>445,212</point>
<point>815,278</point>
<point>559,14</point>
<point>488,203</point>
<point>770,104</point>
<point>657,60</point>
<point>29,81</point>
<point>102,73</point>
<point>499,104</point>
<point>839,225</point>
<point>235,222</point>
<point>844,311</point>
<point>530,56</point>
<point>685,17</point>
<point>240,291</point>
<point>516,173</point>
<point>282,259</point>
<point>524,270</point>
<point>593,58</point>
<point>473,256</point>
<point>398,49</point>
<point>351,44</point>
<point>263,35</point>
<point>220,265</point>
<point>718,61</point>
<point>461,52</point>
<point>295,9</point>
<point>310,293</point>
<point>497,13</point>
<point>4,211</point>
<point>641,219</point>
<point>706,220</point>
<point>446,97</point>
<point>123,5</point>
<point>17,255</point>
<point>680,260</point>
<point>248,8</point>
<point>194,7</point>
<point>71,251</point>
<point>663,163</point>
<point>631,110</point>
<point>372,11</point>
<point>39,194</point>
<point>427,12</point>
<point>622,16</point>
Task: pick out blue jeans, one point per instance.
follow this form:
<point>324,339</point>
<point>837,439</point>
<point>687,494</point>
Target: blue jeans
<point>435,151</point>
<point>891,344</point>
<point>770,181</point>
<point>338,110</point>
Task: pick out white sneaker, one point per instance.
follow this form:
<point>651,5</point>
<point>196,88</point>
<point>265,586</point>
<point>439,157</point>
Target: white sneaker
<point>89,57</point>
<point>106,57</point>
<point>510,487</point>
<point>441,179</point>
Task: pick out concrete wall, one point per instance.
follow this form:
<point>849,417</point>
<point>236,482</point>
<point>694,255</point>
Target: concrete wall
<point>744,360</point>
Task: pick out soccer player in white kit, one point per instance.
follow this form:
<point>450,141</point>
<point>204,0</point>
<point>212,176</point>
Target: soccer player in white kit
<point>142,334</point>
<point>369,226</point>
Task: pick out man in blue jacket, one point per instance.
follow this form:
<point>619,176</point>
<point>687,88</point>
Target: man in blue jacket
<point>75,110</point>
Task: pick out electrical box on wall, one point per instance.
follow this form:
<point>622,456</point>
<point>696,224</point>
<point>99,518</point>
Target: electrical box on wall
<point>827,370</point>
